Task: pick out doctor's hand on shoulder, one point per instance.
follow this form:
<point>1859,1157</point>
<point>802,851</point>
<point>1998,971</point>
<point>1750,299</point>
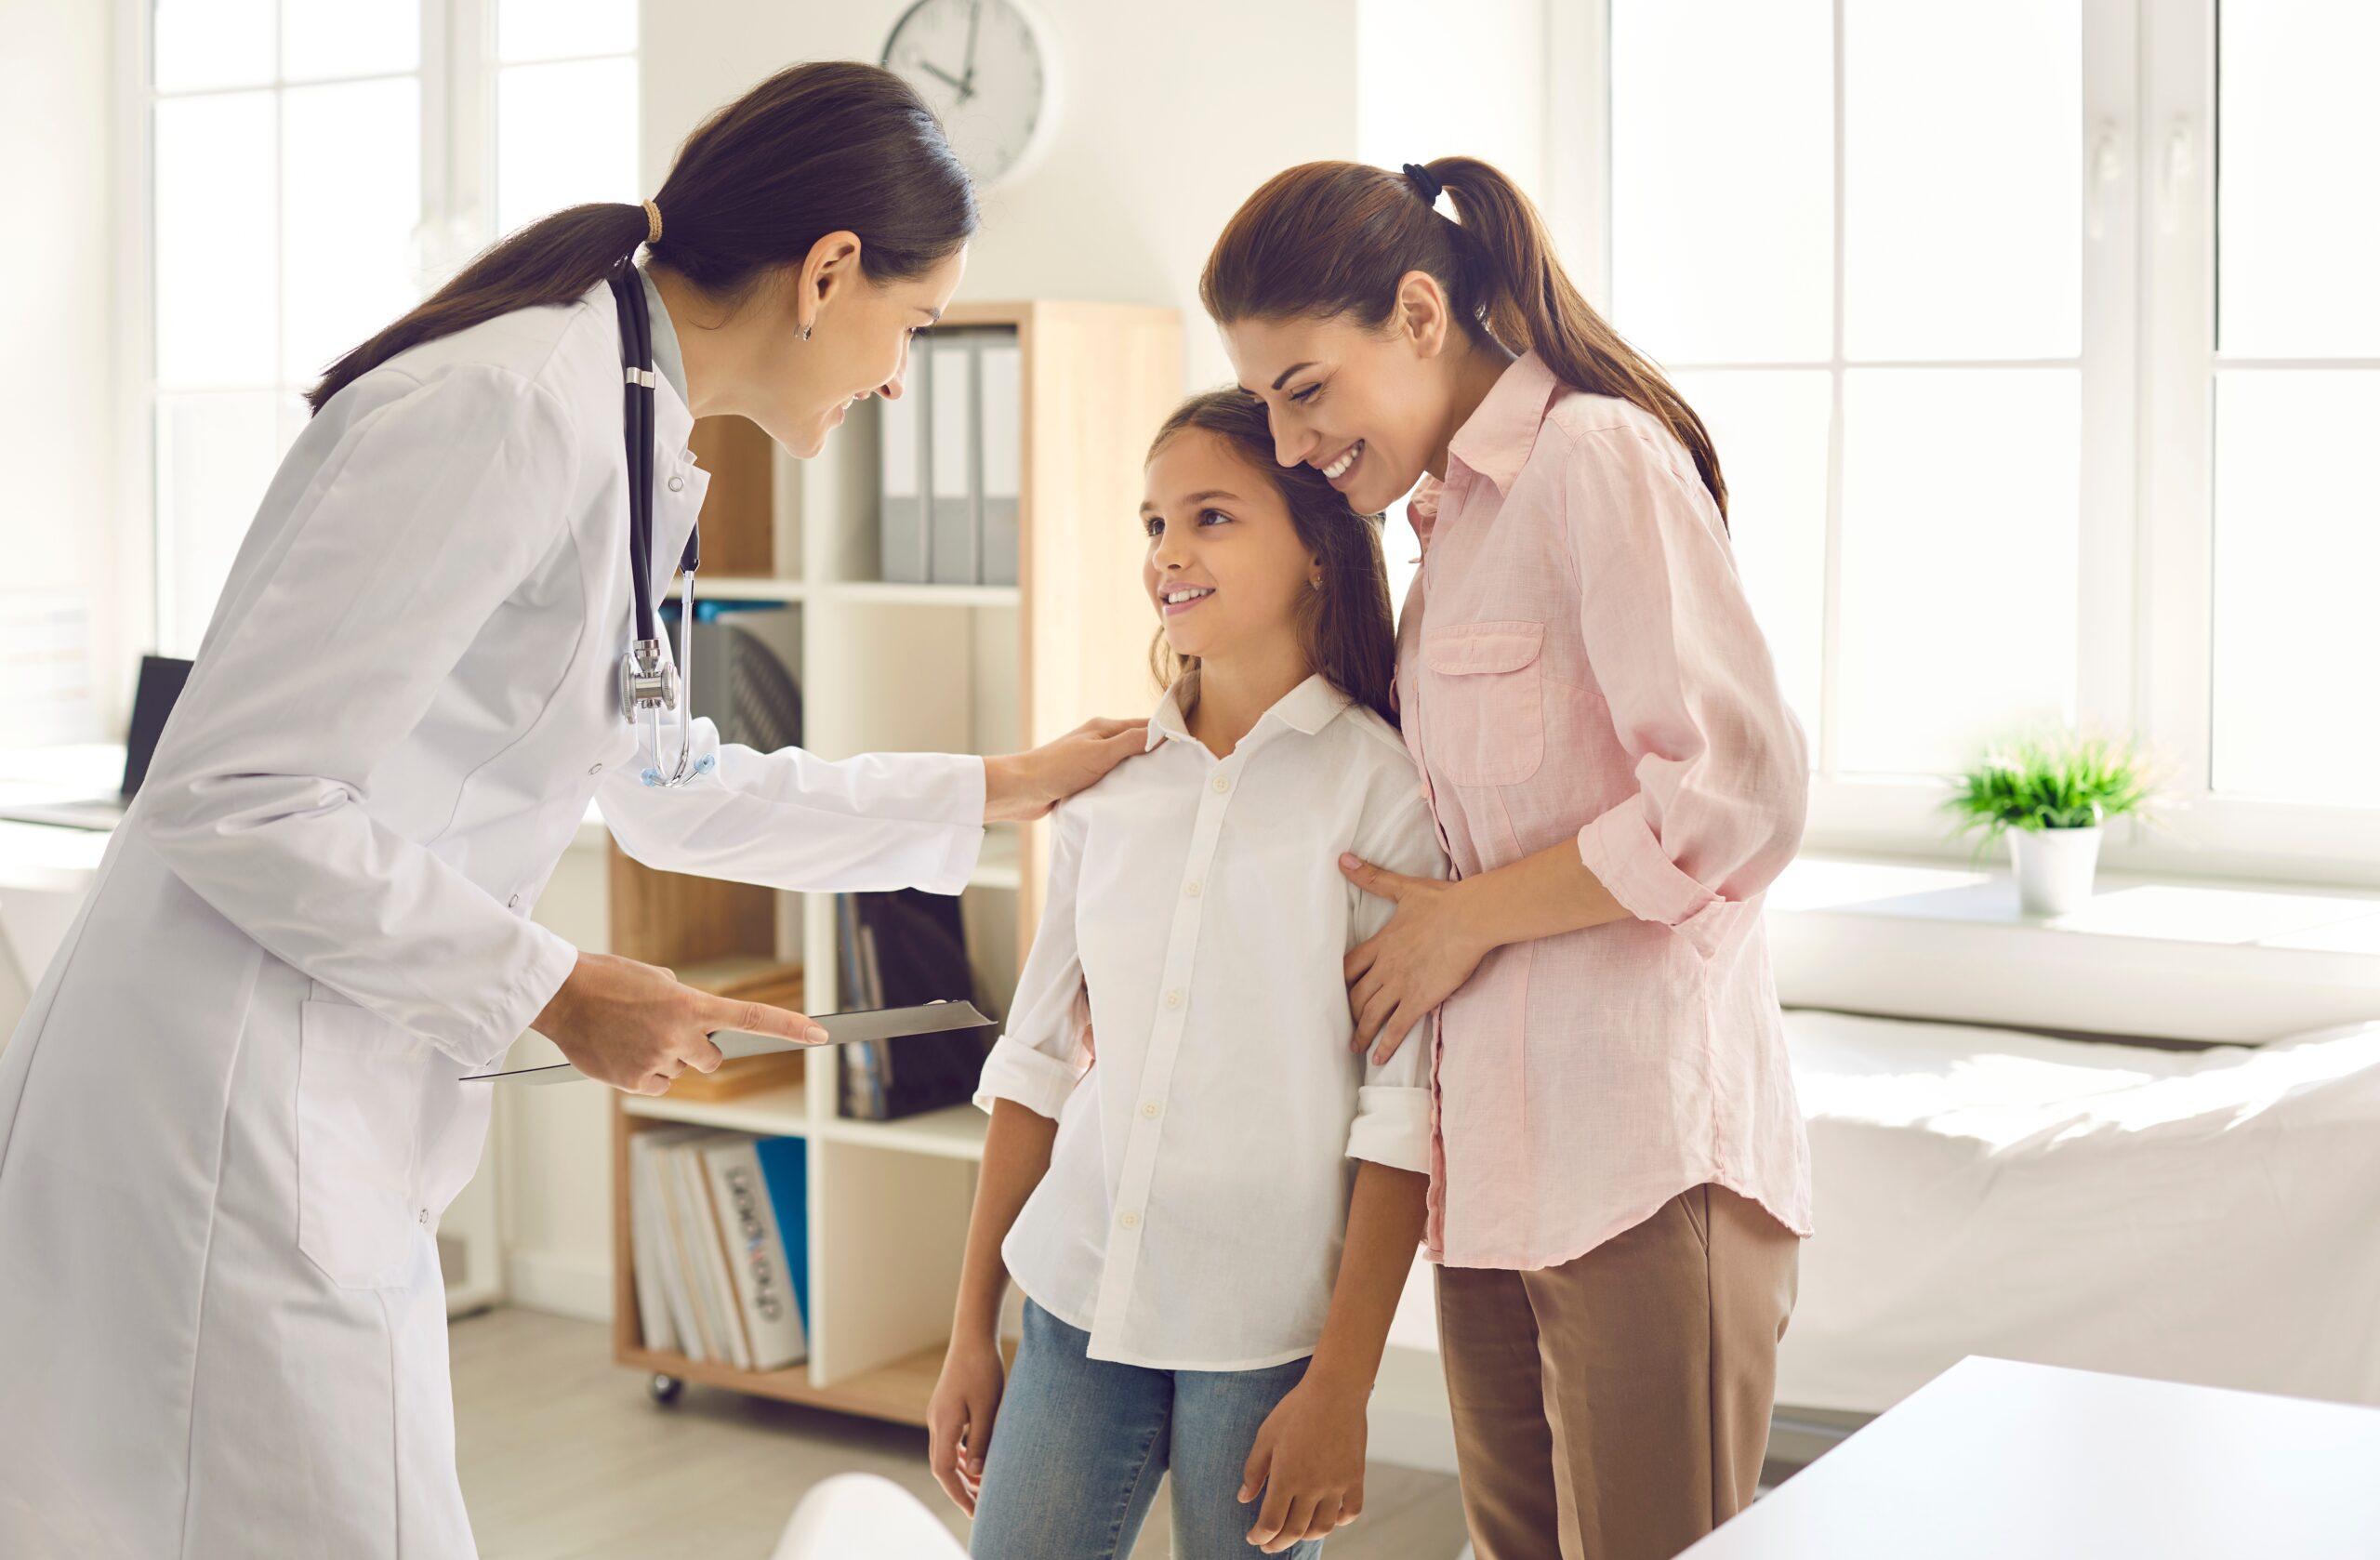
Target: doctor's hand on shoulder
<point>637,1026</point>
<point>1022,787</point>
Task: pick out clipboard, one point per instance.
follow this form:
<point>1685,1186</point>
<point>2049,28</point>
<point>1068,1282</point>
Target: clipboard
<point>874,1023</point>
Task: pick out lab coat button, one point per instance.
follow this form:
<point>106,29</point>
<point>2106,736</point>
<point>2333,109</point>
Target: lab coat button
<point>424,1216</point>
<point>594,769</point>
<point>514,902</point>
<point>677,485</point>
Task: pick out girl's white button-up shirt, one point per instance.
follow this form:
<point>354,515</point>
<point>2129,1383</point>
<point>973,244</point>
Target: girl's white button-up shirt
<point>1196,925</point>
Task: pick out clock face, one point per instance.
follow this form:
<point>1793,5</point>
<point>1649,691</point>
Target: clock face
<point>979,65</point>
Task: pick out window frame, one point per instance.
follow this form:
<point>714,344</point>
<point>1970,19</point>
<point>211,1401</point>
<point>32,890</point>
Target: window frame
<point>457,74</point>
<point>2143,638</point>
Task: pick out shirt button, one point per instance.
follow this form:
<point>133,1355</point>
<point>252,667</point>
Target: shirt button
<point>1223,782</point>
<point>1130,1220</point>
<point>1193,891</point>
<point>1148,1108</point>
<point>1173,999</point>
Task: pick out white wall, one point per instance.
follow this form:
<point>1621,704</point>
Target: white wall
<point>59,280</point>
<point>1164,128</point>
<point>1168,117</point>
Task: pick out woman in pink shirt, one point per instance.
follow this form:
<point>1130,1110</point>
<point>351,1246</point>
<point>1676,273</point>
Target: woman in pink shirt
<point>1618,1174</point>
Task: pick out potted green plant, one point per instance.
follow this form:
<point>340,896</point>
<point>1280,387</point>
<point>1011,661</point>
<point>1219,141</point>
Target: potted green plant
<point>2049,796</point>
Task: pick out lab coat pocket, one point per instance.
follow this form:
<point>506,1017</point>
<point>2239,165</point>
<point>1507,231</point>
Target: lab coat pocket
<point>358,1115</point>
<point>1483,713</point>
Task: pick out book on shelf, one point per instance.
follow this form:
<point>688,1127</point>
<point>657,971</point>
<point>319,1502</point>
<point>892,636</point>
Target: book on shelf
<point>719,1232</point>
<point>757,1255</point>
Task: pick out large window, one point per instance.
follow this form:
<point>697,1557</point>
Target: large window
<point>2037,362</point>
<point>315,167</point>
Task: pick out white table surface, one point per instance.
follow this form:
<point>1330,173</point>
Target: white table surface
<point>1998,1459</point>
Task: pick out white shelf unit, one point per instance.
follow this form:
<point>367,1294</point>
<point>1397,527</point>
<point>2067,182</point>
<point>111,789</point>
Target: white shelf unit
<point>907,667</point>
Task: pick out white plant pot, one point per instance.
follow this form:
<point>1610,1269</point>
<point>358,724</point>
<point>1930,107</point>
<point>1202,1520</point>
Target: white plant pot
<point>2053,867</point>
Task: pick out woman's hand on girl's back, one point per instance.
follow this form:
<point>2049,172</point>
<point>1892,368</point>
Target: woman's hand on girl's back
<point>1400,976</point>
<point>1308,1464</point>
<point>959,1415</point>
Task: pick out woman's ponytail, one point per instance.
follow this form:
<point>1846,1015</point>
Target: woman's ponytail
<point>554,259</point>
<point>815,149</point>
<point>1330,238</point>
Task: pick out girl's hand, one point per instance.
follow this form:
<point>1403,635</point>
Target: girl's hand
<point>1022,787</point>
<point>958,1417</point>
<point>1429,947</point>
<point>1309,1464</point>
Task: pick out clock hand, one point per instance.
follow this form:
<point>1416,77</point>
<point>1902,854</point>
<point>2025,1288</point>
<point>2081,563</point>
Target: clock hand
<point>965,91</point>
<point>975,22</point>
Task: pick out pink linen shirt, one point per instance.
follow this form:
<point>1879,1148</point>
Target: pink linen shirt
<point>1576,661</point>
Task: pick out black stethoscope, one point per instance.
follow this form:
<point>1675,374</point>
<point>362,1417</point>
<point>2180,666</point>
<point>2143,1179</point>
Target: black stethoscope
<point>650,684</point>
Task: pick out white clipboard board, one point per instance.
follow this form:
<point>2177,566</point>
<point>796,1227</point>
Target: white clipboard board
<point>877,1023</point>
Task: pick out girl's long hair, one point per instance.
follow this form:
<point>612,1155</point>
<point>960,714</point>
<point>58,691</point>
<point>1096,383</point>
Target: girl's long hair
<point>1346,628</point>
<point>1328,240</point>
<point>814,150</point>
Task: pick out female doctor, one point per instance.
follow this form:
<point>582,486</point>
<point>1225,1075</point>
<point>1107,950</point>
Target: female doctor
<point>231,1116</point>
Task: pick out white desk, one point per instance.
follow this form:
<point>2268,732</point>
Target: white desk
<point>1992,1459</point>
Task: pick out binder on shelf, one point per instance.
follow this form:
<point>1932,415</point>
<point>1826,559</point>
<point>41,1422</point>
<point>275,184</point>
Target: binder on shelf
<point>1000,372</point>
<point>952,534</point>
<point>903,947</point>
<point>901,514</point>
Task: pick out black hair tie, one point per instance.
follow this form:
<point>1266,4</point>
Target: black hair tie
<point>1430,188</point>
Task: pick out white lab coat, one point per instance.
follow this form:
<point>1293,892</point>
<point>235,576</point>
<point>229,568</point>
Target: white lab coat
<point>230,1117</point>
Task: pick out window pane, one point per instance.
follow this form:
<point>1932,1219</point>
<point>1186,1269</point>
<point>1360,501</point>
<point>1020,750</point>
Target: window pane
<point>2296,548</point>
<point>1722,128</point>
<point>564,134</point>
<point>563,28</point>
<point>351,182</point>
<point>323,39</point>
<point>1958,541</point>
<point>215,262</point>
<point>2299,229</point>
<point>215,455</point>
<point>1771,431</point>
<point>200,44</point>
<point>1962,178</point>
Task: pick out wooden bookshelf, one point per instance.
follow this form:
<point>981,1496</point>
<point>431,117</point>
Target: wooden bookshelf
<point>904,667</point>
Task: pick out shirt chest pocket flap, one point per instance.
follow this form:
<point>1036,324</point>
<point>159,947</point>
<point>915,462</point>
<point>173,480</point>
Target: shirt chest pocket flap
<point>1484,718</point>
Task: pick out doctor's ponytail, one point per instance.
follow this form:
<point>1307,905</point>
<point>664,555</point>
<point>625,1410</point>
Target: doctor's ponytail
<point>1326,240</point>
<point>815,149</point>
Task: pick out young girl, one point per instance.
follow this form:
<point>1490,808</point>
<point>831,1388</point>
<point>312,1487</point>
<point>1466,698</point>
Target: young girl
<point>1618,1174</point>
<point>1212,1226</point>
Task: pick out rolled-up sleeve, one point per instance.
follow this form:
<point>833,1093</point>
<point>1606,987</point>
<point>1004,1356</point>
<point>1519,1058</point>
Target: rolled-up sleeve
<point>1721,766</point>
<point>1392,1124</point>
<point>1044,1050</point>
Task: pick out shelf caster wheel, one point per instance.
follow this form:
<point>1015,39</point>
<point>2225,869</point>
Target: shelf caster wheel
<point>665,1389</point>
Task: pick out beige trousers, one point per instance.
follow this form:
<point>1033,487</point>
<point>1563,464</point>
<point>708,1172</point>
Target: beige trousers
<point>1616,1408</point>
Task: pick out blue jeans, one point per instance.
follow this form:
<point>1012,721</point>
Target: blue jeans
<point>1079,1445</point>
